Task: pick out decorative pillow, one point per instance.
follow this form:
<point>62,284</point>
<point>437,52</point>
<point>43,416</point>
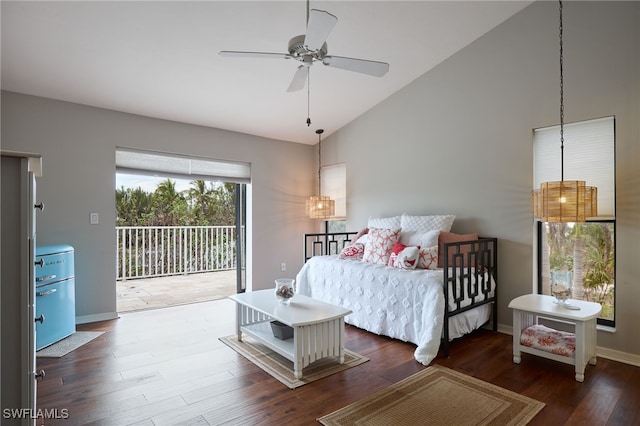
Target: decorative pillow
<point>384,222</point>
<point>360,237</point>
<point>379,245</point>
<point>407,258</point>
<point>397,248</point>
<point>426,223</point>
<point>428,258</point>
<point>449,237</point>
<point>418,238</point>
<point>352,251</point>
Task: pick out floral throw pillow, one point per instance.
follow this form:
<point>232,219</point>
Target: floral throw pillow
<point>428,258</point>
<point>352,251</point>
<point>379,244</point>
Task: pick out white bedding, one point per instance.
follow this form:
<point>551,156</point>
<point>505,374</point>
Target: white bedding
<point>402,304</point>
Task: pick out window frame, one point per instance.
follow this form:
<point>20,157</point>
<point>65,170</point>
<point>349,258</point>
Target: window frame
<point>539,268</point>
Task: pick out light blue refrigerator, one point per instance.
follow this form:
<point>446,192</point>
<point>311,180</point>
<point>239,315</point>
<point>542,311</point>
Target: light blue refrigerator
<point>55,302</point>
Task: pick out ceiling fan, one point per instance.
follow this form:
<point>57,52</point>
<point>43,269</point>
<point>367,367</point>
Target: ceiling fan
<point>311,47</point>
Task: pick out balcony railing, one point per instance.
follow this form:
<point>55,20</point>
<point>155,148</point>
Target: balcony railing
<point>154,251</point>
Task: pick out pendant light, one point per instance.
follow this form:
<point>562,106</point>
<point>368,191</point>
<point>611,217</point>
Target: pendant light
<point>319,206</point>
<point>564,200</point>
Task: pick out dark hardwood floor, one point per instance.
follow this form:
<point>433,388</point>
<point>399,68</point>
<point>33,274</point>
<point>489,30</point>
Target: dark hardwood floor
<point>167,367</point>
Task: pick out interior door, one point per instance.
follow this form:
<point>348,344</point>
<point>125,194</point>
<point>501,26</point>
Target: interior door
<point>17,293</point>
<point>29,325</point>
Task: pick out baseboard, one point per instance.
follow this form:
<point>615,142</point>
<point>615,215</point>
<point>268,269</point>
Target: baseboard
<point>601,352</point>
<point>619,356</point>
<point>85,319</point>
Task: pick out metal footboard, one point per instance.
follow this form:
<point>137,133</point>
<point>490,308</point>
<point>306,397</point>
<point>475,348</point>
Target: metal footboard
<point>470,273</point>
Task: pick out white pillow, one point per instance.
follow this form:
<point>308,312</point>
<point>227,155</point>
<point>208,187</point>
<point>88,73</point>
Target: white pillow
<point>426,223</point>
<point>384,222</point>
<point>418,238</point>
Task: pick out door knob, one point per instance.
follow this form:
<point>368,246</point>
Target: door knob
<point>40,319</point>
<point>39,263</point>
<point>40,375</point>
<point>39,206</point>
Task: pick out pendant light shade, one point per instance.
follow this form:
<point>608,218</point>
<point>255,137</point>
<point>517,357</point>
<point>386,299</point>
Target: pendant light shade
<point>564,200</point>
<point>320,206</point>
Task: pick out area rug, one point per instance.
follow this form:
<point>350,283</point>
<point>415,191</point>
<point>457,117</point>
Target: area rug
<point>438,396</point>
<point>68,344</point>
<point>282,369</point>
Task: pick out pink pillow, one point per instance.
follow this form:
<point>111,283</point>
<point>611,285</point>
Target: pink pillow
<point>428,258</point>
<point>359,235</point>
<point>352,251</point>
<point>449,237</point>
<point>379,244</point>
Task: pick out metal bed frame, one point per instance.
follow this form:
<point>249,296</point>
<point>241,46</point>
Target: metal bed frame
<point>465,282</point>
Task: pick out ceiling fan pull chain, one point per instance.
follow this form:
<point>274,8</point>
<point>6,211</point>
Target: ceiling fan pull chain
<point>308,99</point>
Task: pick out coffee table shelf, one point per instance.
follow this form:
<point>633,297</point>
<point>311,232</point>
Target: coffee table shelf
<point>318,327</point>
<point>261,331</point>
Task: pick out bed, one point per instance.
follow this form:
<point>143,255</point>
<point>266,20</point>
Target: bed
<point>408,305</point>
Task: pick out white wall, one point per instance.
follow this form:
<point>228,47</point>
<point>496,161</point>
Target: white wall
<point>78,145</point>
<point>458,139</point>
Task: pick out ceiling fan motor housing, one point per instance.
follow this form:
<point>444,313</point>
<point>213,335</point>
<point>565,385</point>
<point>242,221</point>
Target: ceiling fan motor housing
<point>299,51</point>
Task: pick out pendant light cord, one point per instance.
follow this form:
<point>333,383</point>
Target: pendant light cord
<point>319,132</point>
<point>561,101</point>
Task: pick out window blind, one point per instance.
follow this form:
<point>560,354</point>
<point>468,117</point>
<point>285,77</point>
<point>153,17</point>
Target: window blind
<point>589,155</point>
<point>334,184</point>
<point>180,166</point>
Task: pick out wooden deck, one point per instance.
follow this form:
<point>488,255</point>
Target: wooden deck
<point>161,292</point>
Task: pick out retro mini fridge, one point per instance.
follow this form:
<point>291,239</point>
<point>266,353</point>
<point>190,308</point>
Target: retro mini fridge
<point>55,302</point>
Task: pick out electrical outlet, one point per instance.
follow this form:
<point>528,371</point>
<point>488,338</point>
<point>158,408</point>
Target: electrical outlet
<point>283,267</point>
<point>94,218</point>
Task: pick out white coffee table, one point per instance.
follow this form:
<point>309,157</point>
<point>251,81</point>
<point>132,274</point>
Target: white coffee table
<point>528,308</point>
<point>318,327</point>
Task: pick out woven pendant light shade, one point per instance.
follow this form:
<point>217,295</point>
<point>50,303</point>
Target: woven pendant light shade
<point>565,201</point>
<point>320,207</point>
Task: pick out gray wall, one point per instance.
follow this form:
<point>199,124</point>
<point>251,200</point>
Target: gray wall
<point>459,139</point>
<point>78,145</point>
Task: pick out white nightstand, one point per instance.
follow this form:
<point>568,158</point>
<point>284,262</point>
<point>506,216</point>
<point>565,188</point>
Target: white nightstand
<point>528,308</point>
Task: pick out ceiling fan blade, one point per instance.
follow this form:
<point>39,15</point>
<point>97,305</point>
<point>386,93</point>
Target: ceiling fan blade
<point>318,28</point>
<point>374,68</point>
<point>299,79</point>
<point>233,53</point>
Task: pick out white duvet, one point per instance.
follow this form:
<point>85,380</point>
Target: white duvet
<point>405,305</point>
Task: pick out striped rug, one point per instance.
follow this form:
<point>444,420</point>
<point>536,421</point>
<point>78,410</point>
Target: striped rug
<point>438,396</point>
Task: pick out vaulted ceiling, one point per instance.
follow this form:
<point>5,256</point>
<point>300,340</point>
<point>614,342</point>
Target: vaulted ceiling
<point>160,58</point>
